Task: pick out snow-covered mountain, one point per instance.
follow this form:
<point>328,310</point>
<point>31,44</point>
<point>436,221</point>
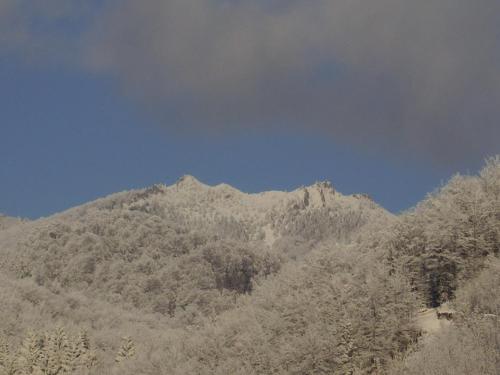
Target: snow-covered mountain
<point>190,229</point>
<point>313,212</point>
<point>212,280</point>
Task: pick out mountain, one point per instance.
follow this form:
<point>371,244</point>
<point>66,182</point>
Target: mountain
<point>210,280</point>
<point>311,213</point>
<point>265,216</point>
<point>171,259</point>
<point>189,228</point>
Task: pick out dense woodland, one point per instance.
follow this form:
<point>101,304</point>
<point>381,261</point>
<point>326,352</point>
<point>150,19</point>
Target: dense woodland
<point>191,279</point>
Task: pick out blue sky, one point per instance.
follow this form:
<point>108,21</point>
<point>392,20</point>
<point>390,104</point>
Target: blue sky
<point>105,96</point>
<point>68,137</point>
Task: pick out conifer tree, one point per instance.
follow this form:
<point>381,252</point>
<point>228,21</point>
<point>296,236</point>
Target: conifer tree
<point>126,351</point>
<point>29,354</point>
<point>86,356</point>
<point>7,362</point>
<point>58,353</point>
<point>4,352</point>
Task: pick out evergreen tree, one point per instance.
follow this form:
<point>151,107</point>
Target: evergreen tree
<point>8,364</point>
<point>126,351</point>
<point>28,356</point>
<point>58,353</point>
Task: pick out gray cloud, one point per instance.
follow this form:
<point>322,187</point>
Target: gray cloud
<point>43,32</point>
<point>417,77</point>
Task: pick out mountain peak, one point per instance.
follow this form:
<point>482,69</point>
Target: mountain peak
<point>325,186</point>
<point>317,194</point>
<point>188,181</point>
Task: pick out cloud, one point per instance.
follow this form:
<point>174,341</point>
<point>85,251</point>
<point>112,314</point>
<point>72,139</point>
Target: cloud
<point>43,32</point>
<point>412,77</point>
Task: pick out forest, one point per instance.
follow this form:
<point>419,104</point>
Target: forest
<point>195,279</point>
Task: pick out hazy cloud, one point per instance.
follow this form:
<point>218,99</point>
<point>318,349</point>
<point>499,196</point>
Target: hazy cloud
<point>414,76</point>
<point>41,32</point>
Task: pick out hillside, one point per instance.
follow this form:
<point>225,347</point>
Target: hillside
<point>211,280</point>
<point>125,247</point>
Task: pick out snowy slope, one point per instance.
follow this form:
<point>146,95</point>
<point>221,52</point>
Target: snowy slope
<point>312,213</point>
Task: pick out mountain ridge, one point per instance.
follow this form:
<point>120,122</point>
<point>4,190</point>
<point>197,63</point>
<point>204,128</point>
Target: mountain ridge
<point>223,198</point>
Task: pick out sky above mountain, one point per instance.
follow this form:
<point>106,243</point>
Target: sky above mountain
<point>387,98</point>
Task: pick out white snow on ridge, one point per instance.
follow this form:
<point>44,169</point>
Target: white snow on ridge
<point>311,210</point>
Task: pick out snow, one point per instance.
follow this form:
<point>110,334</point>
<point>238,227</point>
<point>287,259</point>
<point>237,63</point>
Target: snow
<point>196,203</point>
<point>429,323</point>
